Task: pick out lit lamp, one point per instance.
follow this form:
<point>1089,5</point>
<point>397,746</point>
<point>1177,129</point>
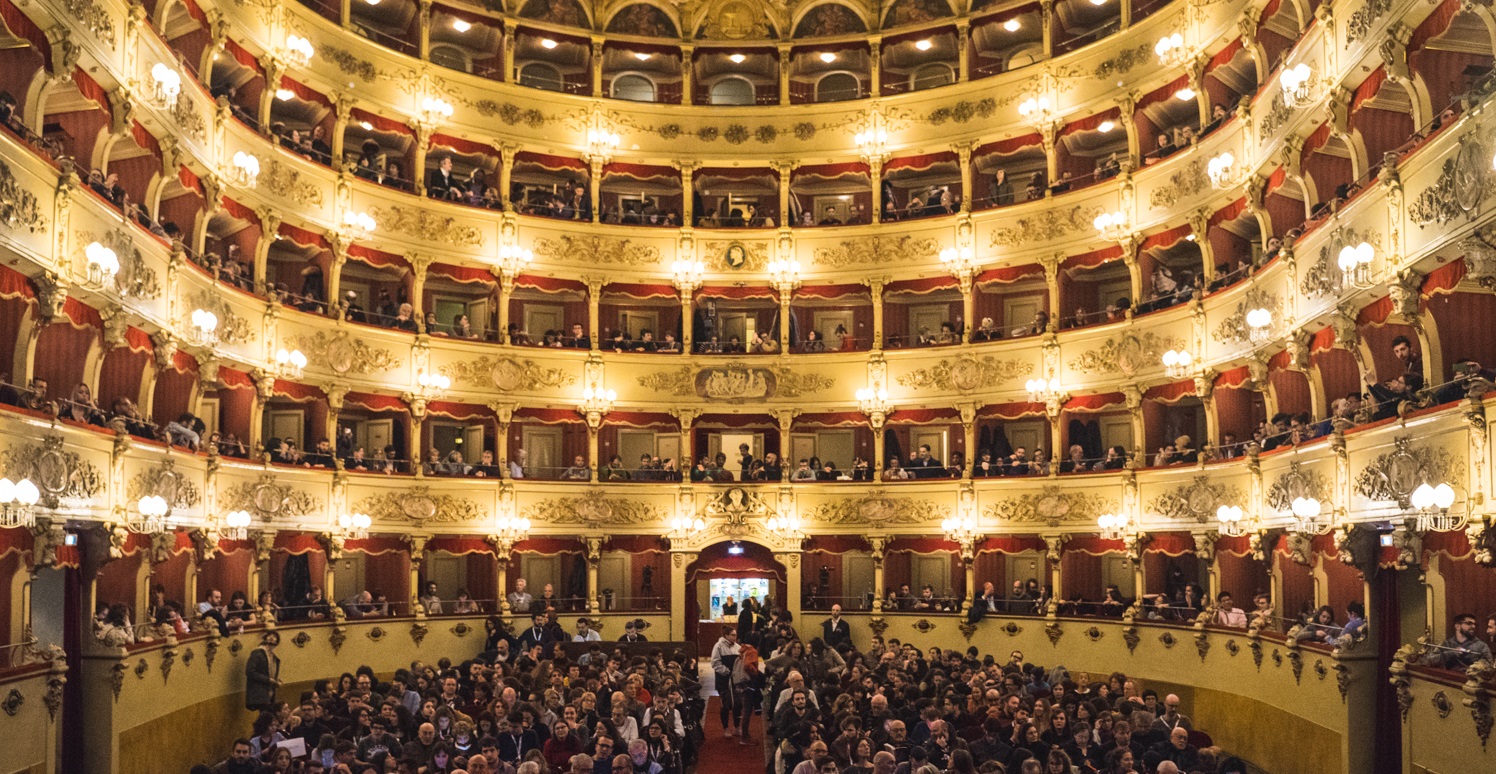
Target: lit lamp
<point>1259,325</point>
<point>298,51</point>
<point>685,526</point>
<point>1222,171</point>
<point>1112,225</point>
<point>959,529</point>
<point>153,510</point>
<point>435,110</point>
<point>1170,50</point>
<point>786,273</point>
<point>354,526</point>
<point>958,260</point>
<point>601,143</point>
<point>874,403</point>
<point>204,328</point>
<point>167,84</point>
<point>290,363</point>
<point>246,170</point>
<point>1111,526</point>
<point>103,264</point>
<point>687,273</point>
<point>596,403</point>
<point>17,501</point>
<point>1177,363</point>
<point>432,385</point>
<point>1355,264</point>
<point>1432,504</point>
<point>1042,390</point>
<point>1229,518</point>
<point>785,526</point>
<point>513,259</point>
<point>1298,85</point>
<point>358,225</point>
<point>1036,109</point>
<point>872,143</point>
<point>512,528</point>
<point>1307,515</point>
<point>235,525</point>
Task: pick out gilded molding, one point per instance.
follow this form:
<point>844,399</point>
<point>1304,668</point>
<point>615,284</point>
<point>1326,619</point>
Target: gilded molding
<point>1126,354</point>
<point>736,382</point>
<point>343,354</point>
<point>1190,181</point>
<point>594,249</point>
<point>270,500</point>
<point>350,64</point>
<point>427,226</point>
<point>1045,226</point>
<point>1277,115</point>
<point>756,255</point>
<point>232,329</point>
<point>1297,482</point>
<point>1462,185</point>
<point>595,510</point>
<point>1051,506</point>
<point>166,482</point>
<point>1394,475</point>
<point>966,373</point>
<point>877,509</point>
<point>418,505</point>
<point>509,374</point>
<point>1233,329</point>
<point>93,17</point>
<point>288,183</point>
<point>1197,501</point>
<point>58,473</point>
<point>967,110</point>
<point>874,250</point>
<point>1363,19</point>
<point>18,206</point>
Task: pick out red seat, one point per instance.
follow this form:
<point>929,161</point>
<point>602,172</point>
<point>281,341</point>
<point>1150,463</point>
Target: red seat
<point>1200,740</point>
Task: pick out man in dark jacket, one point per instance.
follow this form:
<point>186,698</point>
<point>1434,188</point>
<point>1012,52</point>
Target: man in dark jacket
<point>834,630</point>
<point>262,674</point>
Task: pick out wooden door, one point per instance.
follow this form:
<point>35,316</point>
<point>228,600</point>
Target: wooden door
<point>857,580</point>
<point>285,424</point>
<point>540,318</point>
<point>543,446</point>
<point>936,440</point>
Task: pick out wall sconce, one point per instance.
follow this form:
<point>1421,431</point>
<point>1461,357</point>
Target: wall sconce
<point>289,364</point>
<point>430,385</point>
<point>1171,50</point>
<point>1298,85</point>
<point>1112,526</point>
<point>1355,264</point>
<point>354,526</point>
<point>103,264</point>
<point>17,503</point>
<point>684,527</point>
<point>1259,325</point>
<point>1309,516</point>
<point>1432,505</point>
<point>786,527</point>
<point>962,529</point>
<point>512,528</point>
<point>298,51</point>
<point>1043,390</point>
<point>154,514</point>
<point>358,225</point>
<point>1111,225</point>
<point>246,170</point>
<point>513,259</point>
<point>1039,110</point>
<point>872,143</point>
<point>167,85</point>
<point>1177,363</point>
<point>1229,518</point>
<point>958,260</point>
<point>786,274</point>
<point>235,525</point>
<point>204,328</point>
<point>435,110</point>
<point>873,401</point>
<point>687,274</point>
<point>1222,171</point>
<point>601,143</point>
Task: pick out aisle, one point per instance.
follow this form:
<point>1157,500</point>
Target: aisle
<point>723,753</point>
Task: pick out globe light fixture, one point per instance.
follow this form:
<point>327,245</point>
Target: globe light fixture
<point>298,51</point>
<point>1308,515</point>
<point>1170,50</point>
<point>1111,526</point>
<point>103,264</point>
<point>1229,519</point>
<point>246,170</point>
<point>1355,264</point>
<point>1222,170</point>
<point>1298,85</point>
<point>167,85</point>
<point>1111,225</point>
<point>17,503</point>
<point>354,526</point>
<point>1259,325</point>
<point>235,525</point>
<point>290,363</point>
<point>1177,363</point>
<point>153,512</point>
<point>204,327</point>
<point>1432,504</point>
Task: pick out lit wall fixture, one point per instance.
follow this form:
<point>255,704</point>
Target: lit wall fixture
<point>235,525</point>
<point>786,274</point>
<point>872,141</point>
<point>513,259</point>
<point>682,527</point>
<point>290,363</point>
<point>601,143</point>
<point>960,529</point>
<point>873,401</point>
<point>1229,519</point>
<point>354,526</point>
<point>1043,390</point>
<point>1355,264</point>
<point>358,225</point>
<point>1111,225</point>
<point>1037,110</point>
<point>1177,363</point>
<point>1259,325</point>
<point>1298,85</point>
<point>103,264</point>
<point>1309,516</point>
<point>204,328</point>
<point>18,502</point>
<point>596,403</point>
<point>1111,526</point>
<point>786,527</point>
<point>1432,504</point>
<point>1171,50</point>
<point>687,274</point>
<point>166,85</point>
<point>298,52</point>
<point>1222,171</point>
<point>152,515</point>
<point>511,529</point>
<point>431,386</point>
<point>958,260</point>
<point>246,170</point>
<point>435,110</point>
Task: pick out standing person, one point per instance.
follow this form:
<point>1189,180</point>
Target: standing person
<point>748,681</point>
<point>262,674</point>
<point>834,630</point>
<point>746,621</point>
<point>724,657</point>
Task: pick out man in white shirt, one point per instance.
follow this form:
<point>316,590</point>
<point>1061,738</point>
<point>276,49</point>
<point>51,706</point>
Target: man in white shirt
<point>795,682</point>
<point>517,464</point>
<point>662,708</point>
<point>585,632</point>
<point>430,600</point>
<point>1228,614</point>
<point>519,599</point>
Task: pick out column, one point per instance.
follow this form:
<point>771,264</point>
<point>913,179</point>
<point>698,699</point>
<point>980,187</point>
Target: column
<point>877,421</point>
<point>967,280</point>
<point>503,418</point>
<point>413,443</point>
<point>1056,442</point>
<point>875,65</point>
<point>502,551</point>
<point>1054,547</point>
<point>1052,279</point>
<point>592,444</point>
<point>1126,14</point>
<point>1139,578</point>
<point>417,545</point>
<point>875,178</point>
<point>510,27</point>
<point>264,388</point>
<point>424,50</point>
<point>875,287</point>
<point>685,417</point>
<point>336,393</point>
<point>968,558</point>
<point>270,222</point>
<point>594,309</point>
<point>687,191</point>
<point>687,81</point>
<point>969,440</point>
<point>786,294</point>
<point>423,132</point>
<point>274,69</point>
<point>597,73</point>
<point>786,420</point>
<point>1205,549</point>
<point>685,317</point>
<point>419,263</point>
<point>594,555</point>
<point>595,185</point>
<point>963,59</point>
<point>1127,117</point>
<point>678,562</point>
<point>786,60</point>
<point>784,170</point>
<point>506,289</point>
<point>963,151</point>
<point>343,104</point>
<point>506,174</point>
<point>1134,398</point>
<point>346,12</point>
<point>1051,157</point>
<point>1046,14</point>
<point>1200,227</point>
<point>878,544</point>
<point>791,598</point>
<point>1134,269</point>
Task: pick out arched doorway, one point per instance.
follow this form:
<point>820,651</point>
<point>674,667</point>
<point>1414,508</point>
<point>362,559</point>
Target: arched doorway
<point>734,562</point>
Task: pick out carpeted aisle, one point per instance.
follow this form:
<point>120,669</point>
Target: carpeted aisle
<point>722,753</point>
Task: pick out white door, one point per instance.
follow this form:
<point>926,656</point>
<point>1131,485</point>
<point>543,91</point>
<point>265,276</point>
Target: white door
<point>935,439</point>
<point>207,411</point>
<point>667,447</point>
<point>472,443</point>
<point>477,312</point>
<point>543,448</point>
<point>933,571</point>
<point>1020,311</point>
<point>374,434</point>
<point>540,318</point>
<point>926,318</point>
<point>286,424</point>
<point>634,443</point>
<point>802,447</point>
<point>1116,431</point>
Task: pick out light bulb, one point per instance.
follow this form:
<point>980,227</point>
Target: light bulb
<point>1185,94</point>
<point>1106,126</point>
<point>1443,495</point>
<point>284,94</point>
<point>1423,497</point>
<point>1012,25</point>
<point>641,56</point>
<point>924,45</point>
<point>828,57</point>
<point>461,25</point>
<point>738,58</point>
<point>7,491</point>
<point>548,44</point>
